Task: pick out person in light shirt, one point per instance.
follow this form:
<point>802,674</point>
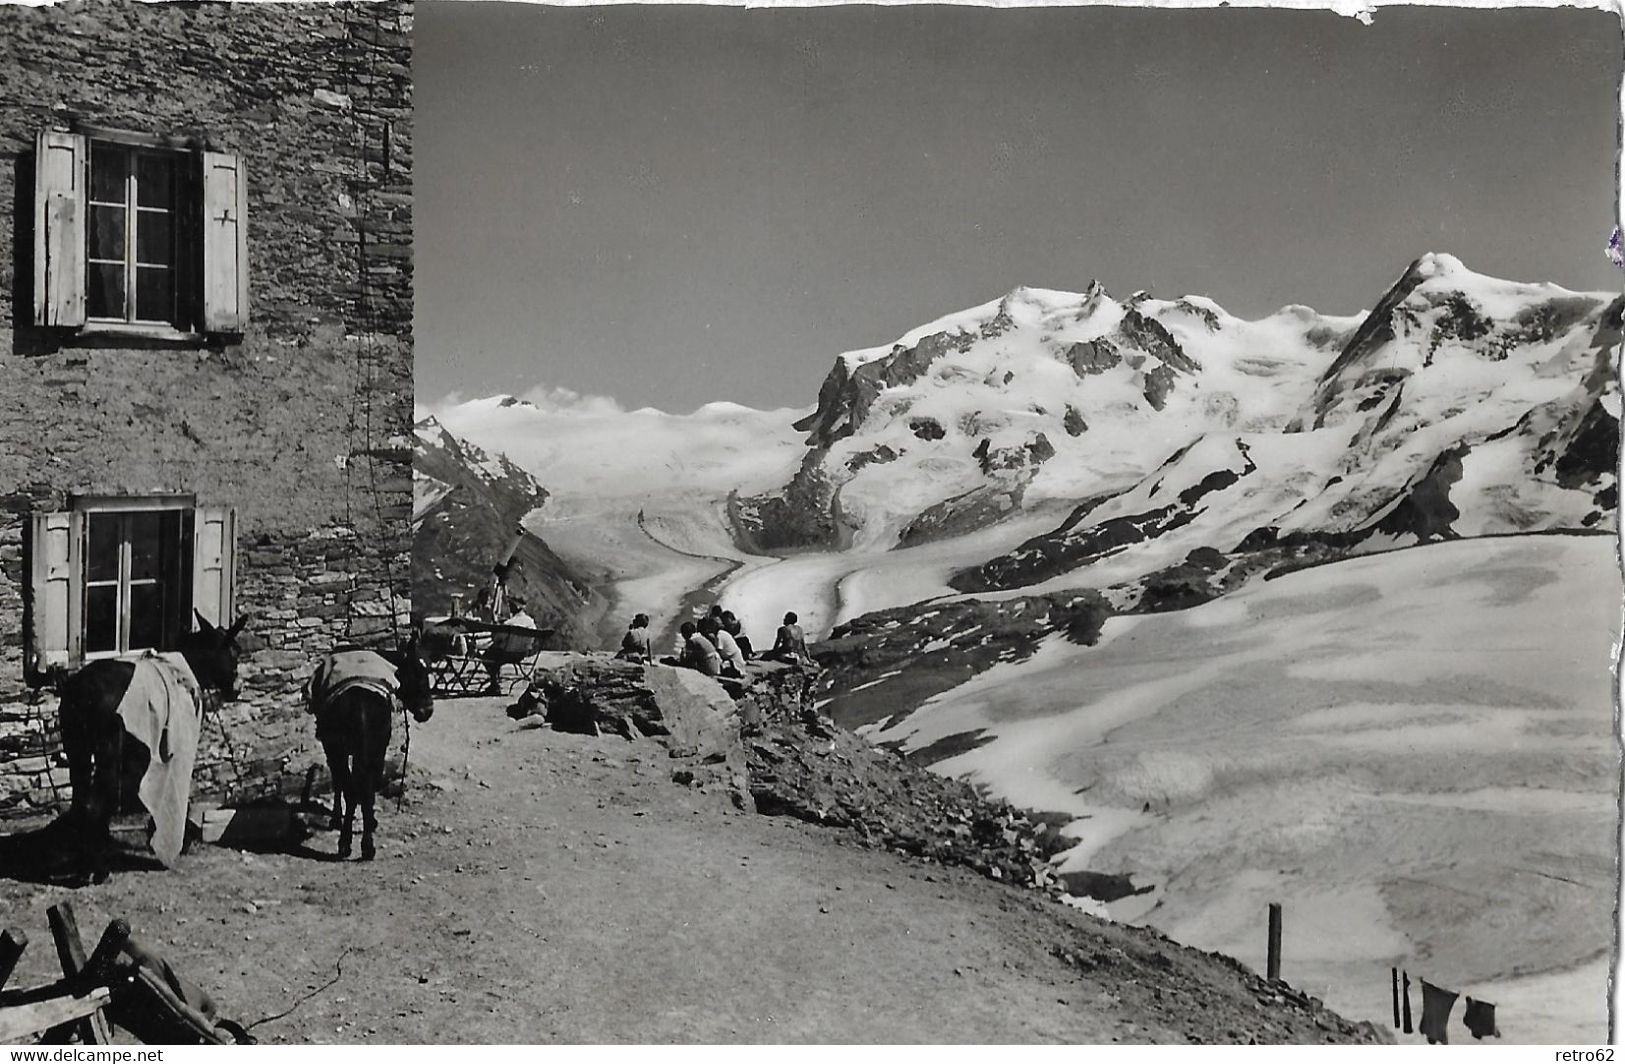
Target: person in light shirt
<point>508,648</point>
<point>733,660</point>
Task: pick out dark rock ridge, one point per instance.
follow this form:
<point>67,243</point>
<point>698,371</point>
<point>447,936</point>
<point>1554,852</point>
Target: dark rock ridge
<point>805,515</point>
<point>931,647</point>
<point>963,513</point>
<point>1078,542</point>
<point>847,394</point>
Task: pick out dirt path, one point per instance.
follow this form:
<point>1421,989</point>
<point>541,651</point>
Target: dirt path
<point>550,887</point>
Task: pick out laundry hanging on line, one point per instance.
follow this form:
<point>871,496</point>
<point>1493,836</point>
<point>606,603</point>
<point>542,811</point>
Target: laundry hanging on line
<point>1480,1019</point>
<point>1436,1005</point>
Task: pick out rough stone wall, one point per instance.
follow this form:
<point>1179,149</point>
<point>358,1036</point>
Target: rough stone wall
<point>303,424</point>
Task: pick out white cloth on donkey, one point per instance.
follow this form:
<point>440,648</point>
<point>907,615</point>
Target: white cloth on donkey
<point>163,708</point>
<point>347,668</point>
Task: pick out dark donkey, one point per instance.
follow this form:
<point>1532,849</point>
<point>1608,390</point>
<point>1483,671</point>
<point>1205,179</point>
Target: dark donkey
<point>353,724</point>
<point>101,766</point>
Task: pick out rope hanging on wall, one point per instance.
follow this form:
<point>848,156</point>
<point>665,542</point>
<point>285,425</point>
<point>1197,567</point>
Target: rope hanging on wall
<point>368,352</point>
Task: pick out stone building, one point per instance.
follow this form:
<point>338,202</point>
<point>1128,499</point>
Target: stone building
<point>205,354</point>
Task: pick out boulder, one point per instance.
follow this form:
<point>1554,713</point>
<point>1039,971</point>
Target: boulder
<point>693,715</point>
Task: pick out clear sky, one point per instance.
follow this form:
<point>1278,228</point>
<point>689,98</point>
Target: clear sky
<point>673,205</point>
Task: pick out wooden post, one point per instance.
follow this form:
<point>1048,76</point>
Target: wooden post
<point>1272,968</point>
<point>1394,975</point>
<point>12,944</point>
<point>70,951</point>
<point>99,968</point>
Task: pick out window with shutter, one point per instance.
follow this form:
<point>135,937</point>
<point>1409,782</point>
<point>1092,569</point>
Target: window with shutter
<point>115,576</point>
<point>133,234</point>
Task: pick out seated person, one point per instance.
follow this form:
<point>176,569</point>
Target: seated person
<point>731,625</point>
<point>508,648</point>
<point>790,644</point>
<point>638,643</point>
<point>733,661</point>
<point>698,651</point>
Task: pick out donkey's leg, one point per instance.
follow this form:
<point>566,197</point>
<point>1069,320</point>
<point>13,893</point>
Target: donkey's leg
<point>369,820</point>
<point>77,745</point>
<point>107,777</point>
<point>338,764</point>
<point>375,747</point>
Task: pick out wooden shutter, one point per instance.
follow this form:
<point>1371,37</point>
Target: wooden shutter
<point>225,243</point>
<point>214,563</point>
<point>55,592</point>
<point>61,177</point>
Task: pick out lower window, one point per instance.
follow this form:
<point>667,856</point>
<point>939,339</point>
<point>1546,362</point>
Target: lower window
<point>134,580</point>
<point>119,575</point>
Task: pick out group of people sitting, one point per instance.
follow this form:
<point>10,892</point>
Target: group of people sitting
<point>716,644</point>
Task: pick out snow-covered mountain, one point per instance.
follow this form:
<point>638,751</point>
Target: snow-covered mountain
<point>467,508</point>
<point>1462,405</point>
<point>1049,442</point>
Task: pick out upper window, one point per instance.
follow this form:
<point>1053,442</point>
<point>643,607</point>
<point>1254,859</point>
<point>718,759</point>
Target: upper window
<point>134,235</point>
<point>115,576</point>
<point>132,254</point>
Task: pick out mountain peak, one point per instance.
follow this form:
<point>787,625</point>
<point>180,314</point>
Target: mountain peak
<point>1437,264</point>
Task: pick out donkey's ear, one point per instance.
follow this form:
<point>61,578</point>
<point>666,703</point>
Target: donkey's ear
<point>237,627</point>
<point>202,622</point>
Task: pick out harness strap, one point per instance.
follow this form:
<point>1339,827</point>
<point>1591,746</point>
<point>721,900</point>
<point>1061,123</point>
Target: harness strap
<point>406,751</point>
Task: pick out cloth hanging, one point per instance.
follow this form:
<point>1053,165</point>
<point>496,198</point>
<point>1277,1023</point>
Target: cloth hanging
<point>1407,1028</point>
<point>163,709</point>
<point>1480,1019</point>
<point>1436,1005</point>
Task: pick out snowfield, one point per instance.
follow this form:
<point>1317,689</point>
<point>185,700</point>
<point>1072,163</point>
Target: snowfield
<point>1414,752</point>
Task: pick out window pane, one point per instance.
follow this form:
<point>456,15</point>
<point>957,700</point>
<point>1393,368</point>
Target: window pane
<point>154,294</point>
<point>101,554</point>
<point>152,243</point>
<point>101,618</point>
<point>106,296</point>
<point>146,544</point>
<point>154,180</point>
<point>107,233</point>
<point>146,616</point>
<point>109,169</point>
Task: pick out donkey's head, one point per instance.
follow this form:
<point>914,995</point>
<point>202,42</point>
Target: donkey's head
<point>413,675</point>
<point>212,653</point>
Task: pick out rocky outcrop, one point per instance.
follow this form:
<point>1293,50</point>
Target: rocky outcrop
<point>691,714</point>
<point>1151,336</point>
<point>1092,357</point>
<point>803,764</point>
<point>963,513</point>
<point>885,663</point>
<point>803,515</point>
<point>847,393</point>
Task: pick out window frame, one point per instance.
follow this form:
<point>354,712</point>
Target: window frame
<point>126,507</point>
<point>56,559</point>
<point>181,240</point>
<point>209,298</point>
